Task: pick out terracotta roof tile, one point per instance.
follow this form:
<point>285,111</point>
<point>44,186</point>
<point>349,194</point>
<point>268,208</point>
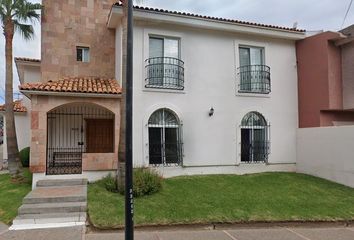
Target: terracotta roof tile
<point>76,85</point>
<point>150,9</point>
<point>18,107</point>
<point>27,59</point>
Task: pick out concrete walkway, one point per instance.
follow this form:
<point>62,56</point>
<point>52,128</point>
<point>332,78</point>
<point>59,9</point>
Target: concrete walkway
<point>276,233</point>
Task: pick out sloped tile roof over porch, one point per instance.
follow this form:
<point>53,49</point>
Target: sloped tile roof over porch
<point>87,85</point>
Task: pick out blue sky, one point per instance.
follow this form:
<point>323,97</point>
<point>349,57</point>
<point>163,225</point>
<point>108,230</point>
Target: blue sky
<point>311,15</point>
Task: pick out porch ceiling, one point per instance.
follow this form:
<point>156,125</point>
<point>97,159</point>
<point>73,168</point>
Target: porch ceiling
<point>74,85</point>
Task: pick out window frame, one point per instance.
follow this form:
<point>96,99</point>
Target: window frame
<point>251,47</point>
<point>164,73</point>
<point>83,49</point>
<point>265,58</point>
<point>163,127</point>
<point>266,127</point>
<point>164,37</point>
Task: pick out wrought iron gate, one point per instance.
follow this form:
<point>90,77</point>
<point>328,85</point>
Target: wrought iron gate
<point>65,142</point>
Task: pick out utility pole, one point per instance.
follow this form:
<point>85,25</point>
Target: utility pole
<point>129,202</point>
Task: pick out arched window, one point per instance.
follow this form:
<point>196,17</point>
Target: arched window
<point>254,138</point>
<point>165,138</point>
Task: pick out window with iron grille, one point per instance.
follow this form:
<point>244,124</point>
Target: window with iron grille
<point>255,142</point>
<point>164,69</point>
<point>165,138</point>
<point>254,75</point>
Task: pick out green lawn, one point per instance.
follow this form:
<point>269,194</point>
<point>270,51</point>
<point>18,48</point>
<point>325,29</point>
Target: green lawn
<point>228,198</point>
<point>11,195</point>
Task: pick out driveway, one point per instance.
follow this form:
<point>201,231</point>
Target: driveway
<point>275,233</point>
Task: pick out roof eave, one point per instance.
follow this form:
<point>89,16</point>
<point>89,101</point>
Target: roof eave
<point>29,93</point>
<point>204,23</point>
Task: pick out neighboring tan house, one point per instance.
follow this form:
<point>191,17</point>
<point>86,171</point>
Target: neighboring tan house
<point>211,95</point>
<point>326,79</point>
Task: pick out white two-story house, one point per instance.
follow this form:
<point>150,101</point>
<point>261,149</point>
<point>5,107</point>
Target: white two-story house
<point>211,95</point>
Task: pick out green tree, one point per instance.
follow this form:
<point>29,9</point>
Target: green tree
<point>15,15</point>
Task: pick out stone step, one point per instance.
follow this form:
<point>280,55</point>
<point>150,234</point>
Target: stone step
<point>46,218</point>
<point>61,182</point>
<point>41,208</point>
<point>57,195</point>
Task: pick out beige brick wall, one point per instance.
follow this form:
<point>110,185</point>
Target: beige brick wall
<point>41,105</point>
<point>70,23</point>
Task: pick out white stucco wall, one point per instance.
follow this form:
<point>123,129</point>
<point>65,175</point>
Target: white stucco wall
<point>32,74</point>
<point>327,152</point>
<point>23,129</point>
<point>211,59</point>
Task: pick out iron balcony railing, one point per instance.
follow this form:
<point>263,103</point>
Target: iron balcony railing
<point>164,73</point>
<point>254,79</point>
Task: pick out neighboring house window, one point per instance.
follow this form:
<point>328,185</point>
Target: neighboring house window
<point>165,138</point>
<point>254,75</point>
<point>164,69</point>
<point>82,54</point>
<point>254,138</point>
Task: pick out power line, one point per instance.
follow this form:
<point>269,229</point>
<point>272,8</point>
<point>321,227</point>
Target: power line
<point>346,14</point>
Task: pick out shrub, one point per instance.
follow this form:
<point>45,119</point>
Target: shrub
<point>110,183</point>
<point>146,182</point>
<point>25,156</point>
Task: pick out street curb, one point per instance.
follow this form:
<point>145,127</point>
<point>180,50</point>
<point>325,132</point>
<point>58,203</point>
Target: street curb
<point>230,225</point>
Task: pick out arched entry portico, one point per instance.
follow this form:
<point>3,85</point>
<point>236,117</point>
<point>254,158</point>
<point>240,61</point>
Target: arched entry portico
<point>74,129</point>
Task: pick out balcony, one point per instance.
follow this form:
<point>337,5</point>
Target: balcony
<point>254,79</point>
<point>164,73</point>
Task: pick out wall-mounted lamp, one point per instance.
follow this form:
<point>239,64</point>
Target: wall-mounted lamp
<point>211,112</point>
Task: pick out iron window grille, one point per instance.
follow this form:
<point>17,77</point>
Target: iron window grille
<point>67,137</point>
<point>164,73</point>
<point>254,79</point>
<point>255,141</point>
<point>165,139</point>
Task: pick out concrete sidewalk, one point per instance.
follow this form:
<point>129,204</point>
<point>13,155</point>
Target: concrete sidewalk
<point>71,233</point>
<point>280,233</point>
<point>275,233</point>
<point>3,228</point>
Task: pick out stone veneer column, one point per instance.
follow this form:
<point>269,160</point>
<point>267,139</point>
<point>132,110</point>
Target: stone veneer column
<point>67,24</point>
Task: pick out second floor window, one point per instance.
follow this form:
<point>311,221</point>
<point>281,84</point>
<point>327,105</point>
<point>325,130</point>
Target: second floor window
<point>254,74</point>
<point>164,67</point>
<point>83,54</point>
